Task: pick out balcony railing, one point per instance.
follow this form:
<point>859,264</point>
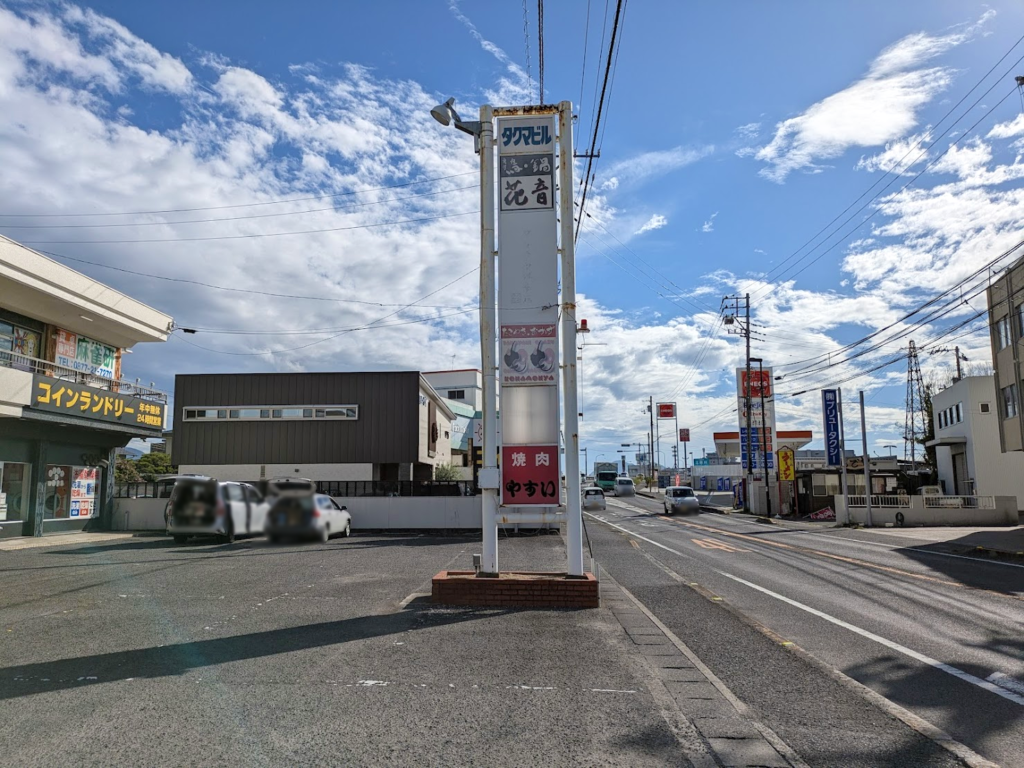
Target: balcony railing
<point>54,370</point>
<point>878,501</point>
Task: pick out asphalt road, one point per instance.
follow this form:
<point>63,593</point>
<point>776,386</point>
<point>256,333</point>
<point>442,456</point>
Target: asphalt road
<point>940,636</point>
<point>145,653</point>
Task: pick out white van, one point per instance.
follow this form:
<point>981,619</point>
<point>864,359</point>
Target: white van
<point>204,506</point>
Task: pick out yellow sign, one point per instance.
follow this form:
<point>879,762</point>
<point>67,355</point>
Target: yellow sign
<point>58,396</point>
<point>787,464</point>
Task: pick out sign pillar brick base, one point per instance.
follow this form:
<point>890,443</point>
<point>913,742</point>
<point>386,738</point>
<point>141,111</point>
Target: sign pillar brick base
<point>515,590</point>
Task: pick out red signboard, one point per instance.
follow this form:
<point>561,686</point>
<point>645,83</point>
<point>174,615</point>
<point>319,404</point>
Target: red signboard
<point>666,410</point>
<point>760,383</point>
<point>684,435</point>
<point>529,475</point>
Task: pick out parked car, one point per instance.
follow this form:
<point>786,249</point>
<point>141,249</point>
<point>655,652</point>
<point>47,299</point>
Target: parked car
<point>307,516</point>
<point>624,486</point>
<point>593,498</point>
<point>205,506</point>
<point>680,498</point>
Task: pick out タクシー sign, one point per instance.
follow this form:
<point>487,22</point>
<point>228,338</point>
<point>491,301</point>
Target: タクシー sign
<point>530,475</point>
<point>57,396</point>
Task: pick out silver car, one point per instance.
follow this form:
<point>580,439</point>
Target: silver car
<point>593,498</point>
<point>680,498</point>
<point>624,487</point>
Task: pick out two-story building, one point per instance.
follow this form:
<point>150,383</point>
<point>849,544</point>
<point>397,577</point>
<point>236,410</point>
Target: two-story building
<point>968,455</point>
<point>1006,331</point>
<point>64,406</point>
<point>337,426</point>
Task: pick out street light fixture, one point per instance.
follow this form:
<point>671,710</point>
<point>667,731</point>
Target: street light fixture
<point>445,114</point>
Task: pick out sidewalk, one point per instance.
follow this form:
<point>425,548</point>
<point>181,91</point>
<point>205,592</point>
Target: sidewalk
<point>1001,540</point>
<point>60,539</point>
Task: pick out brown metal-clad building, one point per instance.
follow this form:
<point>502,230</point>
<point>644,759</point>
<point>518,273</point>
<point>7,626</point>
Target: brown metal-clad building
<point>327,426</point>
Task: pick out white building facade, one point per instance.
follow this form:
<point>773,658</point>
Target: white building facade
<point>968,456</point>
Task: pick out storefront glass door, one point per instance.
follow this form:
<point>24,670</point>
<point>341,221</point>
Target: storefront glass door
<point>14,490</point>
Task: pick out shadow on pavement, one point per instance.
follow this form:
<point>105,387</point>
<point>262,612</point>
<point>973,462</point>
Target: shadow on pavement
<point>177,659</point>
<point>979,715</point>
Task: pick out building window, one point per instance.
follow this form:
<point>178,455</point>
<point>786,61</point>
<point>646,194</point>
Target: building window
<point>1020,321</point>
<point>1003,332</point>
<point>1010,401</point>
<point>985,407</point>
<point>456,394</point>
<point>959,412</point>
<point>281,413</point>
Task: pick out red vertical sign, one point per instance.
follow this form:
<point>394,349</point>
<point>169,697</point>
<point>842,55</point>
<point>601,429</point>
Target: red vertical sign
<point>529,475</point>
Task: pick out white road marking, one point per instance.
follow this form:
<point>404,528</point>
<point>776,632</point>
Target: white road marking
<point>1005,681</point>
<point>955,672</point>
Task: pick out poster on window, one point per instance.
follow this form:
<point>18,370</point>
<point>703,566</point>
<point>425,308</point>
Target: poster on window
<point>84,355</point>
<point>528,354</point>
<point>530,475</point>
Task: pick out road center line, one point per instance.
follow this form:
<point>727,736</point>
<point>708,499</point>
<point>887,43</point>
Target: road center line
<point>954,671</point>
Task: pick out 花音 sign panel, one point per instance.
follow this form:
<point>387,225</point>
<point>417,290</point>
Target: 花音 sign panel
<point>666,410</point>
<point>529,475</point>
<point>69,399</point>
<point>529,354</point>
<point>830,415</point>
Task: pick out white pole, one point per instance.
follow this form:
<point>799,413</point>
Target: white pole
<point>867,461</point>
<point>570,405</point>
<point>488,323</point>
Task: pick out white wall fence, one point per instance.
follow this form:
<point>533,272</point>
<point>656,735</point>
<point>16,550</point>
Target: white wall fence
<point>928,510</point>
<point>368,513</point>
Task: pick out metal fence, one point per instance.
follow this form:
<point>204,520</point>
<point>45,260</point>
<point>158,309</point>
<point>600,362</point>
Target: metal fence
<point>899,502</point>
<point>63,373</point>
<point>960,502</point>
<point>161,489</point>
<point>384,488</point>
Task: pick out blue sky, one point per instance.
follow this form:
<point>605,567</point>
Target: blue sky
<point>735,131</point>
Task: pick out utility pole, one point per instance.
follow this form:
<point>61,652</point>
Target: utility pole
<point>867,461</point>
<point>650,440</point>
<point>743,330</point>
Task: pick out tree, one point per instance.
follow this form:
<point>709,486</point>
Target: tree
<point>125,471</point>
<point>149,465</point>
<point>445,470</point>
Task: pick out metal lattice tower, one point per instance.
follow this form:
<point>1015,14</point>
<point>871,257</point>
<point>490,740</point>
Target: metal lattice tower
<point>915,427</point>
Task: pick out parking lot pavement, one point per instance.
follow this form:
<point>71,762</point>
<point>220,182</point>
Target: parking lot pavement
<point>143,652</point>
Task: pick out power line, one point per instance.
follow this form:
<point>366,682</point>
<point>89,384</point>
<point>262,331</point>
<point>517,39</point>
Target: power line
<point>540,48</point>
<point>281,201</point>
<point>600,110</point>
<point>254,235</point>
<point>312,331</point>
<point>239,290</point>
<point>239,218</point>
<point>526,41</point>
<point>344,332</point>
<point>583,75</point>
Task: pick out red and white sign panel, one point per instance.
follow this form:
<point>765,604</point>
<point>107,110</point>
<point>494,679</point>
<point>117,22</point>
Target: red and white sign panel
<point>684,435</point>
<point>529,354</point>
<point>529,475</point>
<point>666,410</point>
<point>760,383</point>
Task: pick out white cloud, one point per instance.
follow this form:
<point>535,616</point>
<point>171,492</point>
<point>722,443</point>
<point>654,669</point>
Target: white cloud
<point>517,88</point>
<point>880,107</point>
<point>637,169</point>
<point>657,221</point>
<point>709,225</point>
<point>899,156</point>
<point>749,132</point>
<point>1008,129</point>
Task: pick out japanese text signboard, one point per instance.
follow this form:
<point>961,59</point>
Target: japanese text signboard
<point>684,435</point>
<point>787,464</point>
<point>84,355</point>
<point>830,415</point>
<point>762,404</point>
<point>666,410</point>
<point>63,397</point>
<point>530,475</point>
<point>528,309</point>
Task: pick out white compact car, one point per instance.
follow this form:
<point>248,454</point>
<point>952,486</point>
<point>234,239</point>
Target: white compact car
<point>307,516</point>
<point>681,498</point>
<point>593,499</point>
<point>624,486</point>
